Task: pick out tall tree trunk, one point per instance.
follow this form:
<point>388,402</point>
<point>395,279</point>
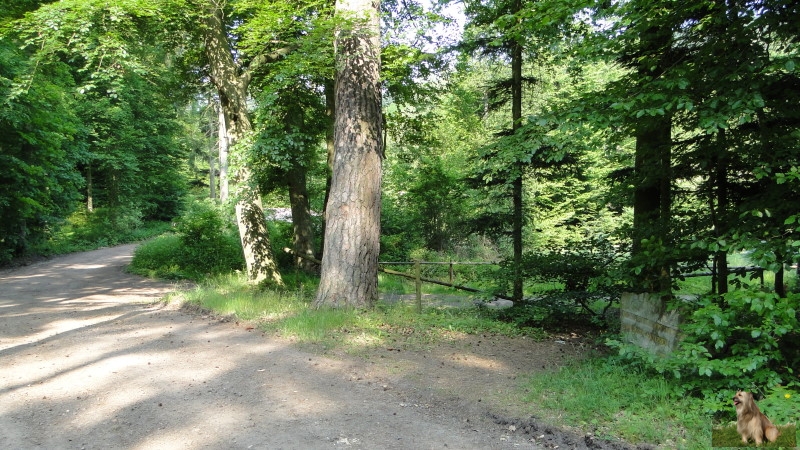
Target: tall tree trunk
<point>296,178</point>
<point>352,231</point>
<point>721,225</point>
<point>652,196</point>
<point>516,117</point>
<point>89,186</point>
<point>222,143</point>
<point>232,90</point>
<point>303,243</point>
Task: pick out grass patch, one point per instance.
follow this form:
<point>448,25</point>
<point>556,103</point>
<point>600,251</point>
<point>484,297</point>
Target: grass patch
<point>727,436</point>
<point>613,400</point>
<point>288,312</point>
<point>232,295</point>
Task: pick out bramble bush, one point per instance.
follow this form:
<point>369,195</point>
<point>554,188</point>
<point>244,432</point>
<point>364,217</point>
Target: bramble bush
<point>747,339</point>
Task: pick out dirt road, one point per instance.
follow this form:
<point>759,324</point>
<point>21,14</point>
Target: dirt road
<point>89,359</point>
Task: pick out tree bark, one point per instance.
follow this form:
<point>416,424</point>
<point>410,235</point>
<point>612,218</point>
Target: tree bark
<point>721,225</point>
<point>296,179</point>
<point>516,117</point>
<point>349,275</point>
<point>222,136</point>
<point>89,186</point>
<point>330,114</point>
<point>232,90</point>
<point>652,196</point>
<point>303,242</point>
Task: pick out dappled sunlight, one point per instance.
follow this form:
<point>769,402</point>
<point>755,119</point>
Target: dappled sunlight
<point>89,363</point>
<point>363,339</point>
<point>478,362</point>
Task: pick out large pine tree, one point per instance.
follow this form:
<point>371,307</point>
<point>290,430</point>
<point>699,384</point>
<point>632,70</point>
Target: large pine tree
<point>352,232</point>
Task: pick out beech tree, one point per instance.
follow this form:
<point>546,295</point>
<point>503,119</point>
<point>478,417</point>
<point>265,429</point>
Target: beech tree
<point>352,233</point>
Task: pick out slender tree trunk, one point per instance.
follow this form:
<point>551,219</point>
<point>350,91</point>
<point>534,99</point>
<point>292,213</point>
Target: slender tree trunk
<point>518,215</point>
<point>296,179</point>
<point>212,176</point>
<point>89,186</point>
<point>330,113</point>
<point>349,275</point>
<point>652,196</point>
<point>652,202</point>
<point>721,227</point>
<point>232,90</point>
<point>222,142</point>
<point>212,179</point>
<point>303,243</point>
<point>780,286</point>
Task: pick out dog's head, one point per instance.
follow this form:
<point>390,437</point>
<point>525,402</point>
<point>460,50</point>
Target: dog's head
<point>742,400</point>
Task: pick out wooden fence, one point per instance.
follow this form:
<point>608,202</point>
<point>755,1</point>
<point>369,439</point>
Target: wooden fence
<point>417,275</point>
<point>418,279</point>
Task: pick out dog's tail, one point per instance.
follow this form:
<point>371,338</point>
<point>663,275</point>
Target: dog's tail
<point>772,433</point>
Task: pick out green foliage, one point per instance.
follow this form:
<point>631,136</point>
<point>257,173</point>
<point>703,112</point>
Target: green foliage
<point>597,395</point>
<point>38,178</point>
<point>745,339</point>
<point>203,246</point>
<point>781,405</point>
<point>207,245</point>
<point>567,286</point>
<point>158,258</point>
<point>83,107</point>
<point>83,231</point>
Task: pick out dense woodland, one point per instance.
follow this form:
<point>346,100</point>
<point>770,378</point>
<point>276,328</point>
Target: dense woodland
<point>606,145</point>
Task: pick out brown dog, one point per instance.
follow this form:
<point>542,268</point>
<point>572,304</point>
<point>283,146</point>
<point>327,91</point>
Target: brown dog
<point>751,422</point>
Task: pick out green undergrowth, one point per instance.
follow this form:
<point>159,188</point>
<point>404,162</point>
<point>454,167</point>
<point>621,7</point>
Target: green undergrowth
<point>80,234</point>
<point>611,400</point>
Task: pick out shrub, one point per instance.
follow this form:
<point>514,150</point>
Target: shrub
<point>574,283</point>
<point>159,258</point>
<point>207,245</point>
<point>203,246</point>
<point>745,339</point>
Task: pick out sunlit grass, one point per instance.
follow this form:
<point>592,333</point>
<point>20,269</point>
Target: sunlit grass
<point>611,400</point>
<point>231,294</point>
<point>290,314</point>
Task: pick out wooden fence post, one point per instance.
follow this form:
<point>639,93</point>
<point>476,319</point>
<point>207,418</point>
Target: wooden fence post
<point>418,284</point>
<point>451,271</point>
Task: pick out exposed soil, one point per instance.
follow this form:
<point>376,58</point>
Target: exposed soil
<point>91,359</point>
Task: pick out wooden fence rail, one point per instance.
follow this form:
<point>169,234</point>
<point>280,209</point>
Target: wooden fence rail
<point>417,276</point>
